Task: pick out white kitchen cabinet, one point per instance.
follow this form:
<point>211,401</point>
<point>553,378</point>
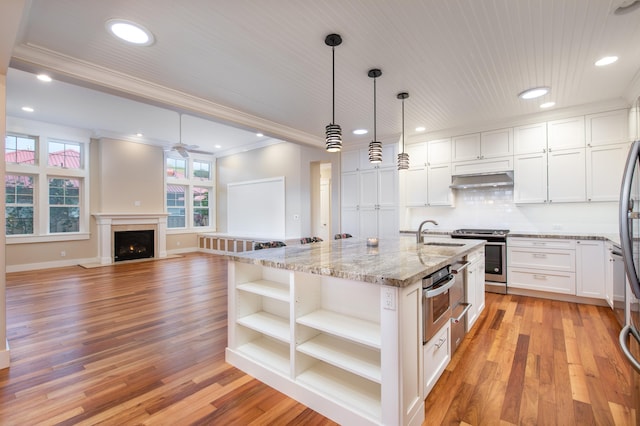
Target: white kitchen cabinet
<point>530,178</point>
<point>530,139</point>
<point>466,147</point>
<point>388,158</point>
<point>437,354</point>
<point>590,269</point>
<point>541,264</point>
<point>350,161</point>
<point>475,286</point>
<point>607,128</point>
<point>604,167</point>
<point>428,186</point>
<point>609,273</point>
<point>370,201</point>
<point>439,151</point>
<point>480,146</point>
<point>417,154</point>
<point>330,341</point>
<point>565,134</point>
<point>566,176</point>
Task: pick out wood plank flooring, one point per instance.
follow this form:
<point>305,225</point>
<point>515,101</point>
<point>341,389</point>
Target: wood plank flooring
<point>143,343</point>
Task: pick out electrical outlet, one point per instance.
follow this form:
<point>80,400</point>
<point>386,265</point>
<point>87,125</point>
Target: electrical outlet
<point>388,299</point>
<point>63,253</point>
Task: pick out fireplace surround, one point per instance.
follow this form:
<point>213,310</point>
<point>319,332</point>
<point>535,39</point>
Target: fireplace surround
<point>110,223</point>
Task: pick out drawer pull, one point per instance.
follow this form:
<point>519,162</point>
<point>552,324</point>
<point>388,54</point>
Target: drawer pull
<point>440,343</point>
<point>540,255</point>
<point>540,277</point>
<point>539,244</point>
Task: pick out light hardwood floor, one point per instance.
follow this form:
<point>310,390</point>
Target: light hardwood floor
<point>143,343</point>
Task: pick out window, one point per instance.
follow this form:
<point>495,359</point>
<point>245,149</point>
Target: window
<point>189,193</point>
<point>64,154</point>
<point>201,170</point>
<point>46,200</point>
<point>20,149</point>
<point>64,202</point>
<point>176,168</point>
<point>200,206</point>
<point>19,204</point>
<point>176,206</point>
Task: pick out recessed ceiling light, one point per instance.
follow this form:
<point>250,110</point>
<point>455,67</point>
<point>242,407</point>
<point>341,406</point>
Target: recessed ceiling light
<point>259,135</point>
<point>139,134</point>
<point>420,129</point>
<point>44,77</point>
<point>130,32</point>
<point>607,60</point>
<point>217,146</point>
<point>360,131</point>
<point>547,104</point>
<point>27,109</point>
<point>533,93</point>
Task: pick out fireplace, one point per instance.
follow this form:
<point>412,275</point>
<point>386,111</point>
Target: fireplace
<point>130,245</point>
<point>111,223</point>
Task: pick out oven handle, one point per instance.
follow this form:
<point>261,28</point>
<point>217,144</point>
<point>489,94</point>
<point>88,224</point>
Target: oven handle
<point>467,306</point>
<point>494,243</point>
<point>458,269</point>
<point>440,289</point>
<point>628,330</point>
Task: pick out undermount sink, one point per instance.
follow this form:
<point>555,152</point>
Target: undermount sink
<point>437,243</point>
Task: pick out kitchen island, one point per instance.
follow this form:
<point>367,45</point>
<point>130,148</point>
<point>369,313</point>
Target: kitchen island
<point>337,325</point>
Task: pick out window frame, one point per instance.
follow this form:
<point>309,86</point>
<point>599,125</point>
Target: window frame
<point>189,182</point>
<point>42,172</point>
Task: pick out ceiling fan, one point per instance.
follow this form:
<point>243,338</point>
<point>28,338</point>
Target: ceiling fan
<point>183,149</point>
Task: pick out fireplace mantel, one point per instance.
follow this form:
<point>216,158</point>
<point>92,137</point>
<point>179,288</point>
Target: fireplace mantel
<point>107,221</point>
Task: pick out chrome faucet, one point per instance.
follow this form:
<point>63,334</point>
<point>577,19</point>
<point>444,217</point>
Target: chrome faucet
<point>419,233</point>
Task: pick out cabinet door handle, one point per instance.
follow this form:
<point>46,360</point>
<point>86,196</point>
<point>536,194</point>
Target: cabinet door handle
<point>540,255</point>
<point>539,277</point>
<point>440,343</point>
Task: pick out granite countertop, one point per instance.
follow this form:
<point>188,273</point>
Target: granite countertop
<point>614,238</point>
<point>396,262</point>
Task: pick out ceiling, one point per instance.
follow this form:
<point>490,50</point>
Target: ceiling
<point>263,66</point>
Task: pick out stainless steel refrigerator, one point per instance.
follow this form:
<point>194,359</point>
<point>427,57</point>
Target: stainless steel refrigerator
<point>630,244</point>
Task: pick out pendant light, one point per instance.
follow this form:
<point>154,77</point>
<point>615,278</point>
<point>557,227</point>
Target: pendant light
<point>375,147</point>
<point>334,133</point>
<point>403,157</point>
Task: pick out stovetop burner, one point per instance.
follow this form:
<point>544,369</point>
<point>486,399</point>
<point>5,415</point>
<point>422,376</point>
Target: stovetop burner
<point>496,232</point>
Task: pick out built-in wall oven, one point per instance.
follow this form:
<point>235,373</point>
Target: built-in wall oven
<point>495,255</point>
<point>436,303</point>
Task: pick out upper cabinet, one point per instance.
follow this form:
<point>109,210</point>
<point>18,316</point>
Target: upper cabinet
<point>565,134</point>
<point>417,154</point>
<point>480,146</point>
<point>530,139</point>
<point>350,161</point>
<point>439,151</point>
<point>607,128</point>
<point>388,158</point>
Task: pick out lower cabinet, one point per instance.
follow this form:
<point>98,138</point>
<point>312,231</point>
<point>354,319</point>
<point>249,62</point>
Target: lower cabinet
<point>437,354</point>
<point>329,342</point>
<point>567,266</point>
<point>475,286</point>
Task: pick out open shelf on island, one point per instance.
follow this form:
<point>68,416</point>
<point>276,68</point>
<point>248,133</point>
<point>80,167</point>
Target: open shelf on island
<point>350,328</point>
<point>268,352</point>
<point>357,359</point>
<point>346,389</point>
<point>271,289</point>
<point>268,324</point>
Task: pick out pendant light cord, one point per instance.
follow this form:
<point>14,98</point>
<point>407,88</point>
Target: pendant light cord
<point>375,138</point>
<point>333,85</point>
<point>403,125</point>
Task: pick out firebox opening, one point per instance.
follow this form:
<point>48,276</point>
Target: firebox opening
<point>130,245</point>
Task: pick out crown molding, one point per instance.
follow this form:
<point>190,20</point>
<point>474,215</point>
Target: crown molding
<point>35,59</point>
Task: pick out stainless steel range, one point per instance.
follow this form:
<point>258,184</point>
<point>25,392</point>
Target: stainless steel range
<point>495,255</point>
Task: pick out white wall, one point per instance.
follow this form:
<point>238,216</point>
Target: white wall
<point>494,208</point>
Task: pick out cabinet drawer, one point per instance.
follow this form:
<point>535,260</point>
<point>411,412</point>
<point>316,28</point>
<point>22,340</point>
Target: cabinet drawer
<point>437,354</point>
<point>547,259</point>
<point>542,281</point>
<point>542,243</point>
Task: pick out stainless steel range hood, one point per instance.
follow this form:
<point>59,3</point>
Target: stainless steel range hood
<point>482,180</point>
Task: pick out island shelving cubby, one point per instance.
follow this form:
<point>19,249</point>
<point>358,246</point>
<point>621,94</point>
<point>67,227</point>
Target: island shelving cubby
<point>327,342</point>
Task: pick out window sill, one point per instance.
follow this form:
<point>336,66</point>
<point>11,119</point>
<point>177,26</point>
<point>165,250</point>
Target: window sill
<point>27,239</point>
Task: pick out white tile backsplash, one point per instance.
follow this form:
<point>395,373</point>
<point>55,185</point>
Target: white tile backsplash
<point>494,208</point>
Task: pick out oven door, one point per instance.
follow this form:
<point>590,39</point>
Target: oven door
<point>436,307</point>
<point>495,259</point>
